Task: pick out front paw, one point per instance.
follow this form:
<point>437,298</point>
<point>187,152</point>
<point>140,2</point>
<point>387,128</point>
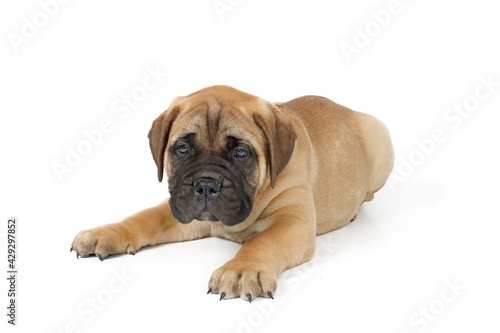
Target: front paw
<point>246,280</point>
<point>102,241</point>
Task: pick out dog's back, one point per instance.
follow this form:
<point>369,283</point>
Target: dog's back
<point>352,152</point>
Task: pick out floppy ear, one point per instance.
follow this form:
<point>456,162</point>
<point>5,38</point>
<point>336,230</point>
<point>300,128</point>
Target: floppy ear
<point>280,135</point>
<point>158,136</point>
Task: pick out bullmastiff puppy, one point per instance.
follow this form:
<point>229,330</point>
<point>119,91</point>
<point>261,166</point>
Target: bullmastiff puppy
<point>271,176</point>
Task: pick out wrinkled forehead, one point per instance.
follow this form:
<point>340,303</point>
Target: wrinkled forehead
<point>213,124</point>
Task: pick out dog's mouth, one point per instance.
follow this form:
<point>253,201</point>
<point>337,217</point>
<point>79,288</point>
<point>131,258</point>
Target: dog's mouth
<point>207,216</point>
<point>228,205</point>
<point>226,209</point>
<point>210,193</point>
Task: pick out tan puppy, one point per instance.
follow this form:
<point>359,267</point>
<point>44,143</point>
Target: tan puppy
<point>271,176</point>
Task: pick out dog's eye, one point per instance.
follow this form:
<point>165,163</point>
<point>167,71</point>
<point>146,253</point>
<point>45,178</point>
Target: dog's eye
<point>240,153</point>
<point>182,149</point>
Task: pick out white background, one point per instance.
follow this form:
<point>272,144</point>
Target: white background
<point>438,225</point>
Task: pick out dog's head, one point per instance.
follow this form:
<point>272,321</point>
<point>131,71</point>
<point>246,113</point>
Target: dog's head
<point>219,146</point>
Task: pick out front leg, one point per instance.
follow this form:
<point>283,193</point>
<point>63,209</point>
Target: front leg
<point>287,242</point>
<point>152,226</point>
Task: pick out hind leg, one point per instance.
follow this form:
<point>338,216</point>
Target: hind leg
<point>369,197</point>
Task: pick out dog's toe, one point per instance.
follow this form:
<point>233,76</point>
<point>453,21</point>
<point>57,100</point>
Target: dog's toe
<point>101,241</point>
<point>244,280</point>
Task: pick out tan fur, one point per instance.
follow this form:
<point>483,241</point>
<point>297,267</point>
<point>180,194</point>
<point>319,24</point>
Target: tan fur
<point>340,159</point>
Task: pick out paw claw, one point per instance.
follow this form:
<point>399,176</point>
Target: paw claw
<point>100,257</point>
<point>270,294</point>
<point>249,297</point>
<point>222,296</point>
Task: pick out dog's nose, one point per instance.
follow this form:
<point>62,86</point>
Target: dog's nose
<point>206,189</point>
